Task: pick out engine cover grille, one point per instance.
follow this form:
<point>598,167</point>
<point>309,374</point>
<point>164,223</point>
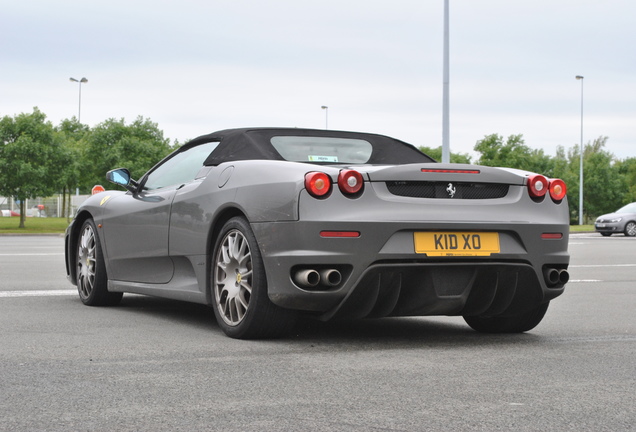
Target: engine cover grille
<point>427,189</point>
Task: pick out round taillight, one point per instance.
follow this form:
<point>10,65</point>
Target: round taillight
<point>557,189</point>
<point>350,182</point>
<point>537,186</point>
<point>318,184</point>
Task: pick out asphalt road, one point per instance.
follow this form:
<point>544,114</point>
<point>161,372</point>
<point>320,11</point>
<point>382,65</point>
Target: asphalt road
<point>158,365</point>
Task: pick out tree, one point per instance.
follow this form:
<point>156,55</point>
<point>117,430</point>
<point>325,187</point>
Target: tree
<point>113,144</point>
<point>566,167</point>
<point>627,168</point>
<point>30,156</point>
<point>605,187</point>
<point>72,134</point>
<point>514,153</point>
<point>436,153</point>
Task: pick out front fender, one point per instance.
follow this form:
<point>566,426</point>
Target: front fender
<point>94,207</point>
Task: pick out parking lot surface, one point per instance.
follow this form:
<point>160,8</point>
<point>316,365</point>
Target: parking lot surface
<point>152,364</point>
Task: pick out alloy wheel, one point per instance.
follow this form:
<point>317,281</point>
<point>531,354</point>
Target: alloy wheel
<point>233,277</point>
<point>86,262</point>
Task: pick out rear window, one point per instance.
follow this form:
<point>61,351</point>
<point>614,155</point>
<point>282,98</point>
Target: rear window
<point>323,149</point>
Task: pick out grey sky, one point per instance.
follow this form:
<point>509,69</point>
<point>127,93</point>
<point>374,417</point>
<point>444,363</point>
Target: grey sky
<point>198,66</point>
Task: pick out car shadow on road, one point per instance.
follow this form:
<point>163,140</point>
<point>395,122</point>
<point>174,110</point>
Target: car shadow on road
<point>178,312</point>
<point>404,332</point>
<point>400,332</point>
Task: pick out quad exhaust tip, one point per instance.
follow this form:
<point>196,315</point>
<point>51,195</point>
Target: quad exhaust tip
<point>564,276</point>
<point>330,277</point>
<point>307,278</point>
<point>311,278</point>
<point>555,276</point>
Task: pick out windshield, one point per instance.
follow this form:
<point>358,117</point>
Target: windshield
<point>323,149</point>
<point>629,208</point>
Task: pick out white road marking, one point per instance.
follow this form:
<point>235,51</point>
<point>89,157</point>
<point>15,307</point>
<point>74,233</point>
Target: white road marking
<point>31,254</point>
<point>37,293</point>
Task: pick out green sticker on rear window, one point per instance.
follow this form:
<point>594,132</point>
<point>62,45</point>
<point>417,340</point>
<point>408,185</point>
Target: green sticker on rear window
<point>323,158</point>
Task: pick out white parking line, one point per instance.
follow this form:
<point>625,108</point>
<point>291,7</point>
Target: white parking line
<point>37,293</point>
<point>31,254</point>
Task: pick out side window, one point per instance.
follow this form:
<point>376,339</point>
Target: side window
<point>180,168</point>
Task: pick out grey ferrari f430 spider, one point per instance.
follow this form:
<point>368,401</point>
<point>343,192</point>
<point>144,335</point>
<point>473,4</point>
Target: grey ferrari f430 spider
<point>266,224</point>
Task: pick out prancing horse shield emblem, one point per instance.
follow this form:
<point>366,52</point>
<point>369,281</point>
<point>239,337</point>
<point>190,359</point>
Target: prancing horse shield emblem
<point>451,190</point>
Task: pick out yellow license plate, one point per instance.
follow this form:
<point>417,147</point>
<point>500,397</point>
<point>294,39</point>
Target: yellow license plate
<point>456,243</point>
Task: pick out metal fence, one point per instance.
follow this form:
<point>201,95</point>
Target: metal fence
<point>40,207</point>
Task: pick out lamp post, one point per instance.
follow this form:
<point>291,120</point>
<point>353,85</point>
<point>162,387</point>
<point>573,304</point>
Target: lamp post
<point>326,108</point>
<point>580,77</point>
<point>79,111</point>
<point>446,90</point>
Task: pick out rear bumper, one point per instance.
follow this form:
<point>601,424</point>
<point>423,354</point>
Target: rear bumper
<point>383,276</point>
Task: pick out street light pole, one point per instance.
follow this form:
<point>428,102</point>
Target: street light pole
<point>326,108</point>
<point>580,77</point>
<point>446,85</point>
<point>79,111</point>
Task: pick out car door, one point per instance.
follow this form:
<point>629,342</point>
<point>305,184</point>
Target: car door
<point>137,225</point>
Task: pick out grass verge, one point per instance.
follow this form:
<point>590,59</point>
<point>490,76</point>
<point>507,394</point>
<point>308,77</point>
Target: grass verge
<point>10,225</point>
<point>581,228</point>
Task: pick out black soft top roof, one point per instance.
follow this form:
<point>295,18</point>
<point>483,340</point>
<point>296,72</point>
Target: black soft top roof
<point>254,144</point>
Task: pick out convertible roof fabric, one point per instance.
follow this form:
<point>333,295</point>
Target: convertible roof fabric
<point>255,144</point>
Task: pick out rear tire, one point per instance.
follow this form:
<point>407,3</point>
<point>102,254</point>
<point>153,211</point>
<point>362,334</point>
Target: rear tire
<point>92,281</point>
<point>514,324</point>
<point>606,234</point>
<point>239,287</point>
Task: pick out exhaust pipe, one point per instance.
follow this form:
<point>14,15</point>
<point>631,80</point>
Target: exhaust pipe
<point>551,276</point>
<point>564,276</point>
<point>330,277</point>
<point>307,278</point>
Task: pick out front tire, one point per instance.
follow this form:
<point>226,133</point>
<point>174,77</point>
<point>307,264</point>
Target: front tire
<point>513,324</point>
<point>239,284</point>
<point>92,281</point>
<point>630,229</point>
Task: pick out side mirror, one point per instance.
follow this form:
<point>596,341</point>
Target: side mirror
<point>121,177</point>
